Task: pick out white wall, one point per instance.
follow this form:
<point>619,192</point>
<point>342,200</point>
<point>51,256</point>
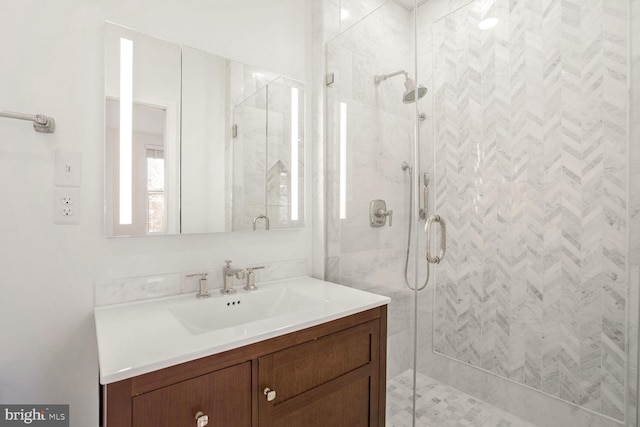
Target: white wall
<point>52,63</point>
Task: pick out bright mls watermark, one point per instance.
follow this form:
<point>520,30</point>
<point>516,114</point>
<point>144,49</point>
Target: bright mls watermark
<point>34,415</point>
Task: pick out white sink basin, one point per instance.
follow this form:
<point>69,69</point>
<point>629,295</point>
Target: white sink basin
<point>141,337</point>
<point>221,312</point>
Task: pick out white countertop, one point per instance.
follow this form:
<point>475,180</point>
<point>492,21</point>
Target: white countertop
<point>141,337</point>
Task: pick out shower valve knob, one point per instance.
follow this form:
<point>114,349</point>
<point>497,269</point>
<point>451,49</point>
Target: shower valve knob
<point>382,213</point>
<point>378,213</point>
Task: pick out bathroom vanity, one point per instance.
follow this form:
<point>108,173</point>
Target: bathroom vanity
<point>316,356</point>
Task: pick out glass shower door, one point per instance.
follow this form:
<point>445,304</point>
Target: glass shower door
<point>371,156</point>
<point>526,135</point>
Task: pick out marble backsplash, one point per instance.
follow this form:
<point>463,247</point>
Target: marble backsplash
<point>132,289</point>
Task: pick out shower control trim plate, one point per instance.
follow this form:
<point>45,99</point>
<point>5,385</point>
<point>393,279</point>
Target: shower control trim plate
<point>378,213</point>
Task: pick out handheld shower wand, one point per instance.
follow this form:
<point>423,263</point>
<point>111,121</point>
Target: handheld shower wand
<point>423,212</point>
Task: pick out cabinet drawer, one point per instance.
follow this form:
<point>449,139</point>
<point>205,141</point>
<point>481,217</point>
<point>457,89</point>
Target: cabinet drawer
<point>333,380</point>
<point>224,396</point>
<point>305,366</point>
<point>346,406</point>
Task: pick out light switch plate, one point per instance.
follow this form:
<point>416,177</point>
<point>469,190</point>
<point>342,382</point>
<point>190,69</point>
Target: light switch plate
<point>68,168</point>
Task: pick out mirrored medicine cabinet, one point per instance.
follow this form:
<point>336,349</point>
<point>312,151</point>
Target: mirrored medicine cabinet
<point>198,143</point>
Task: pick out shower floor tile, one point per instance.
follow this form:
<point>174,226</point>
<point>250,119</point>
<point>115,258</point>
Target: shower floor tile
<point>440,405</point>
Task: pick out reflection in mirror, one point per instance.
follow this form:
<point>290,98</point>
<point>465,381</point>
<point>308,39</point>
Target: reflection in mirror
<point>268,157</point>
<point>249,151</point>
<point>285,161</point>
<point>197,143</point>
<point>204,132</point>
<point>142,84</point>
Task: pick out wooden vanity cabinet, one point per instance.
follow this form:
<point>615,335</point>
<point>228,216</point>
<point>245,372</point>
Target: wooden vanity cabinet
<point>332,374</point>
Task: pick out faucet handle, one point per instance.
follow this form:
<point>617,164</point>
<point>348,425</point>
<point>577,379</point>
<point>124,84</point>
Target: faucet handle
<point>251,278</point>
<point>203,276</point>
<point>202,293</point>
<point>228,262</point>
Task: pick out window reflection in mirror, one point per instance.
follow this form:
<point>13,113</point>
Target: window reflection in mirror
<point>156,206</point>
<point>148,206</point>
<point>143,95</point>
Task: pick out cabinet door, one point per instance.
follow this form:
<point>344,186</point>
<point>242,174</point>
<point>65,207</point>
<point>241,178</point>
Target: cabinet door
<point>331,381</point>
<point>224,396</point>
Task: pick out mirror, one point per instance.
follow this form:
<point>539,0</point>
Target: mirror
<point>198,143</point>
<point>268,170</point>
<point>204,143</point>
<point>142,131</point>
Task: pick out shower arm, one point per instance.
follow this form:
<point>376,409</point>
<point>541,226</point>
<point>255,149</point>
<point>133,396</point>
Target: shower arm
<point>378,79</point>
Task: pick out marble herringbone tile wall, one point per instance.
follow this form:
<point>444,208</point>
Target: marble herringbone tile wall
<point>531,157</point>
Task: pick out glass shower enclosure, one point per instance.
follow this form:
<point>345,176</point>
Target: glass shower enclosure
<point>523,146</point>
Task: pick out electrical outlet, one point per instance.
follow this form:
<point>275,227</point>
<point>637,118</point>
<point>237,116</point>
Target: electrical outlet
<point>66,206</point>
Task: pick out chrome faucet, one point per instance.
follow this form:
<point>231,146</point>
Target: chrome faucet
<point>228,274</point>
<point>266,221</point>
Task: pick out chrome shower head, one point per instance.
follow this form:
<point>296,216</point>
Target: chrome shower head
<point>409,95</point>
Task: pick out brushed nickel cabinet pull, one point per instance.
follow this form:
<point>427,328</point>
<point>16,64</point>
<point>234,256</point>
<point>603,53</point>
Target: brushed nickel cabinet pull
<point>201,419</point>
<point>271,394</point>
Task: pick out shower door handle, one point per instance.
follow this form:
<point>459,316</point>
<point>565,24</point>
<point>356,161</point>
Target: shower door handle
<point>443,239</point>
